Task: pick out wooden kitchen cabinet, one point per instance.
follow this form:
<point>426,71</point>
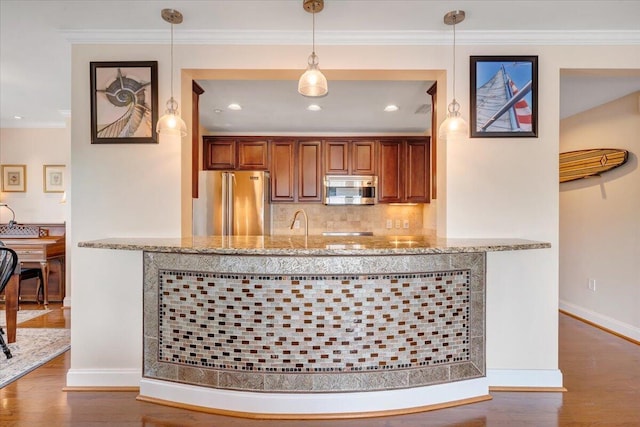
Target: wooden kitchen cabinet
<point>282,171</point>
<point>253,155</point>
<point>296,174</point>
<point>417,172</point>
<point>404,174</point>
<point>390,180</point>
<point>298,164</point>
<point>235,154</point>
<point>309,171</point>
<point>219,153</point>
<point>336,157</point>
<point>363,157</point>
<point>349,157</point>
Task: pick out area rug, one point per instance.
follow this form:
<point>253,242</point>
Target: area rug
<point>33,347</point>
<point>23,316</point>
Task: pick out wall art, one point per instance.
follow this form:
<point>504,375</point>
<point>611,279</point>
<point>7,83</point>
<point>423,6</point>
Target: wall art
<point>14,178</point>
<point>504,96</point>
<point>53,178</point>
<point>124,102</point>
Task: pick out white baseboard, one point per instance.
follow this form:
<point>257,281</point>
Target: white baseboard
<point>312,403</point>
<point>103,377</point>
<point>66,302</point>
<point>607,322</point>
<point>534,378</point>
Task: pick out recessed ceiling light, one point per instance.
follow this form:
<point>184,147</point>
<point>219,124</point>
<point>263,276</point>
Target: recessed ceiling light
<point>17,117</point>
<point>391,107</point>
<point>234,107</point>
<point>314,107</point>
<point>217,111</point>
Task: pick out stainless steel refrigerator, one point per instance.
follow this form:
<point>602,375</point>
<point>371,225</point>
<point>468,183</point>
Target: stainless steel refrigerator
<point>232,203</point>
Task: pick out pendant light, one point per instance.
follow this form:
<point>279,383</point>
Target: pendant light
<point>171,123</point>
<point>313,82</point>
<point>454,125</point>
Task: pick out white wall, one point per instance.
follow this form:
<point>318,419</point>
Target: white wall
<point>123,190</point>
<point>600,221</point>
<point>35,148</point>
<point>487,188</point>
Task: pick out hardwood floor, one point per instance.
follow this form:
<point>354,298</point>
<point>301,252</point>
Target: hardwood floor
<point>601,372</point>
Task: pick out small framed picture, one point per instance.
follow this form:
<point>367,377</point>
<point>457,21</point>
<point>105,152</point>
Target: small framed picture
<point>53,178</point>
<point>504,96</point>
<point>14,178</point>
<point>124,102</point>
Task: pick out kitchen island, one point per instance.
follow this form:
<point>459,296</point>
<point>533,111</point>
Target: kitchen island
<point>299,327</point>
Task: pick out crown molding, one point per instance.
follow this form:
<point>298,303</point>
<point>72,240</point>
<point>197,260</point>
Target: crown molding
<point>337,38</point>
<point>27,124</point>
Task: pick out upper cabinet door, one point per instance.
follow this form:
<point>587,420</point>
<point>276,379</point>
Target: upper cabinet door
<point>235,154</point>
<point>253,155</point>
<point>417,178</point>
<point>404,173</point>
<point>349,157</point>
<point>390,178</point>
<point>219,153</point>
<point>363,157</point>
<point>309,171</point>
<point>282,171</point>
<point>336,157</point>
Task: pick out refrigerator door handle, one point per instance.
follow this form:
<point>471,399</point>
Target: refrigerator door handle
<point>231,182</point>
<point>226,202</point>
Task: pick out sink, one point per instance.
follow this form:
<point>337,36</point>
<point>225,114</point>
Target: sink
<point>347,233</point>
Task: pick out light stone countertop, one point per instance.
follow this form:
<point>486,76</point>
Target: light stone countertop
<point>314,245</point>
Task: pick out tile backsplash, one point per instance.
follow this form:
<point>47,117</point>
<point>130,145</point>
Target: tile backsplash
<point>349,218</point>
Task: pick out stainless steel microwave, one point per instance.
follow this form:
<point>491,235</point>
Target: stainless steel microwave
<point>350,190</point>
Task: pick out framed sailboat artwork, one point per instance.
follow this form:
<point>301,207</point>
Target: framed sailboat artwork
<point>504,96</point>
<point>124,102</point>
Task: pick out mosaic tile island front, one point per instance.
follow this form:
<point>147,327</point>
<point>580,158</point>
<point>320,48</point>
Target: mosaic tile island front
<point>314,315</point>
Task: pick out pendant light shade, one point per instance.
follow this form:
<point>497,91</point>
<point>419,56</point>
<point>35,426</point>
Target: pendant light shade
<point>171,123</point>
<point>313,82</point>
<point>454,125</point>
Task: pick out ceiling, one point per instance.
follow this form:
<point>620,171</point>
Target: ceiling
<point>275,106</point>
<point>36,37</point>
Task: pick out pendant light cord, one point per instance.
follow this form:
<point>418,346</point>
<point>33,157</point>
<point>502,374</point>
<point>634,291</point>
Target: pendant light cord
<point>172,60</point>
<point>313,32</point>
<point>454,58</point>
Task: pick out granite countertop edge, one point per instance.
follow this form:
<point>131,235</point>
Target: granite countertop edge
<point>314,245</point>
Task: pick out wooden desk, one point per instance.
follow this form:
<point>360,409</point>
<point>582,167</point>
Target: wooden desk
<point>41,252</point>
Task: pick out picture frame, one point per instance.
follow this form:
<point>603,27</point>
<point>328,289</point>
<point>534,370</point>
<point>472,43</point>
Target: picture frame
<point>14,178</point>
<point>53,178</point>
<point>124,102</point>
<point>504,96</point>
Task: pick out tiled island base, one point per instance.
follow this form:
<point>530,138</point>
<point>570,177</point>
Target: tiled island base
<point>301,336</point>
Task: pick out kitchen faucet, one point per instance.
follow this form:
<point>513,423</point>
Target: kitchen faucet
<point>306,221</point>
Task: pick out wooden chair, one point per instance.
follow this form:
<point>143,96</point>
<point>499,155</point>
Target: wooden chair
<point>8,264</point>
<point>32,273</point>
